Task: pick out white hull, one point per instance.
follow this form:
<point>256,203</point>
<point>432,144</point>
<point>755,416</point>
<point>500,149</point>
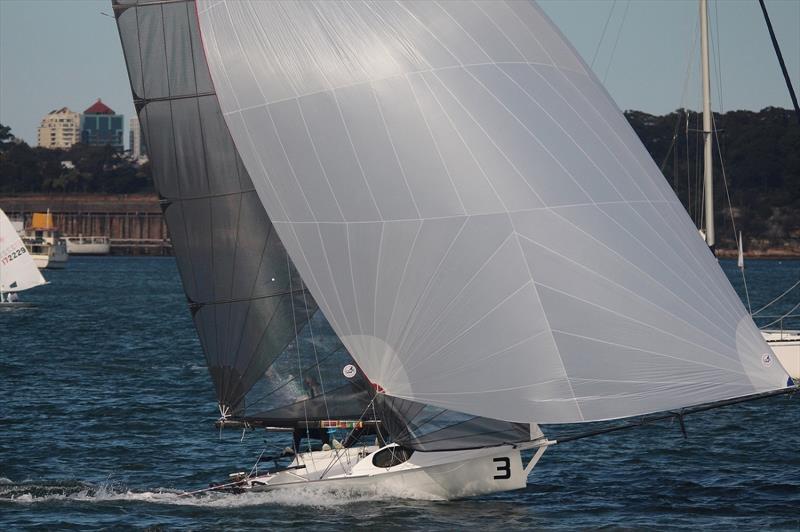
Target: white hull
<point>5,305</point>
<point>92,245</point>
<point>44,261</point>
<point>55,257</point>
<point>441,475</point>
<point>786,346</point>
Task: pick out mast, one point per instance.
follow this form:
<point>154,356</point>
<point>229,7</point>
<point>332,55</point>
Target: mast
<point>708,172</point>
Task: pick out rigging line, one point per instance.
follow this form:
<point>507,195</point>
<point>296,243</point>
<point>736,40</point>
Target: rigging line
<point>688,171</point>
<point>264,335</point>
<point>671,145</point>
<point>250,298</point>
<point>684,94</point>
<point>644,420</point>
<point>253,289</point>
<point>261,416</point>
<point>717,52</point>
<point>699,190</point>
<point>616,42</point>
<point>780,318</point>
<point>299,359</point>
<point>141,101</point>
<point>510,441</point>
<point>360,418</point>
<point>411,432</point>
<point>777,48</point>
<point>291,380</point>
<point>795,285</point>
<point>730,206</point>
<point>602,35</point>
<point>309,324</point>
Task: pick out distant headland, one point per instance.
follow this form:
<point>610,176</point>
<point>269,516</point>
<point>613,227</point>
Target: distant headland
<point>760,165</point>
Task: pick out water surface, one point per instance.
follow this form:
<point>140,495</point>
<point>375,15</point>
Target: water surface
<point>108,411</point>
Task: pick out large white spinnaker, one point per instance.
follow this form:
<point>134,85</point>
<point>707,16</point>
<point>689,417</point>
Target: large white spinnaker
<point>472,212</point>
<point>18,272</point>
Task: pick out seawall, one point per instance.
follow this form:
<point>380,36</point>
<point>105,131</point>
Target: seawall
<point>133,222</point>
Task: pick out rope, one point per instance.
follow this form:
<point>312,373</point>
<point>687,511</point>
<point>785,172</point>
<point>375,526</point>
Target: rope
<point>717,53</point>
<point>780,318</point>
<point>299,360</point>
<point>730,206</point>
<point>602,36</point>
<point>616,42</point>
<point>336,456</point>
<point>321,381</point>
<point>795,285</point>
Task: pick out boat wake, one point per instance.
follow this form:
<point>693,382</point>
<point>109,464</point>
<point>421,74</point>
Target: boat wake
<point>76,492</point>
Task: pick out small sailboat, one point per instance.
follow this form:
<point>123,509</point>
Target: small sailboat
<point>415,232</point>
<point>18,272</point>
<point>44,242</point>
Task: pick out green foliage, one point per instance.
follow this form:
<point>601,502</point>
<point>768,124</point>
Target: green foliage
<point>96,169</point>
<point>760,152</point>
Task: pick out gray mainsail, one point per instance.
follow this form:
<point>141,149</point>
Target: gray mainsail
<point>250,307</point>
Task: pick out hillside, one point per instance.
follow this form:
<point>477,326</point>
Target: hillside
<point>760,150</point>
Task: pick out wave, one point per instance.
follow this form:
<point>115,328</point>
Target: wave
<point>76,492</point>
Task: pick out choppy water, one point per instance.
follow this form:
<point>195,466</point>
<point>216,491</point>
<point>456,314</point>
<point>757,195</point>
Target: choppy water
<point>107,411</point>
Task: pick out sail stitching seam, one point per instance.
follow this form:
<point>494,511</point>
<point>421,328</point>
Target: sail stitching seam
<point>634,294</point>
<point>566,376</point>
<point>635,159</point>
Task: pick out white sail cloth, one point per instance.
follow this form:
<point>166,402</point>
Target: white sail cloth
<point>472,212</point>
<point>18,272</point>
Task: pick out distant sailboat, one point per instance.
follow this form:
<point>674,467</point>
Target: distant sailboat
<point>785,344</point>
<point>475,240</point>
<point>18,272</point>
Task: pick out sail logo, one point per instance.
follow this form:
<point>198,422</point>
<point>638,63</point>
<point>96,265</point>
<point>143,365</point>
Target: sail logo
<point>349,371</point>
<point>766,359</point>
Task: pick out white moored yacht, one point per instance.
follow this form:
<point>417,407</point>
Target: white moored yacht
<point>44,242</point>
<point>88,245</point>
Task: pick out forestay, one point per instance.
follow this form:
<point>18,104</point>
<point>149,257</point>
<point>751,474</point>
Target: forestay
<point>472,212</point>
<point>18,272</point>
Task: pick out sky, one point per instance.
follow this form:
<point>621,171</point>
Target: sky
<point>57,53</point>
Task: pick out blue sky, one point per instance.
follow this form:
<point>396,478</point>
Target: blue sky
<point>56,53</point>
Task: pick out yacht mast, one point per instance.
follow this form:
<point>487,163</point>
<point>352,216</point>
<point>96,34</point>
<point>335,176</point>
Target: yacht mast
<point>708,173</point>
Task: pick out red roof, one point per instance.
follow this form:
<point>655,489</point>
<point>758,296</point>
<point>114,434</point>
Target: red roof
<point>99,108</point>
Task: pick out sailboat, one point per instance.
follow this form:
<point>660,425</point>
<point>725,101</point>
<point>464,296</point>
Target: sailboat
<point>18,272</point>
<point>414,233</point>
<point>785,344</point>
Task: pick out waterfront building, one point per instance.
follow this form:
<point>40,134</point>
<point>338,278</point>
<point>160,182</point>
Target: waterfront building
<point>60,129</point>
<point>136,140</point>
<point>101,126</point>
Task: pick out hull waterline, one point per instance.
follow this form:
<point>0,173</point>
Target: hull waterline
<point>442,475</point>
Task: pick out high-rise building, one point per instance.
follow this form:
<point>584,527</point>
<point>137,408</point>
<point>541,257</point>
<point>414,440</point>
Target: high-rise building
<point>101,126</point>
<point>137,144</point>
<point>59,129</point>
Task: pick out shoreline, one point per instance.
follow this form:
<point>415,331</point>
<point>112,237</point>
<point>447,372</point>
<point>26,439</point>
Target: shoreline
<point>138,216</point>
<point>761,254</point>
